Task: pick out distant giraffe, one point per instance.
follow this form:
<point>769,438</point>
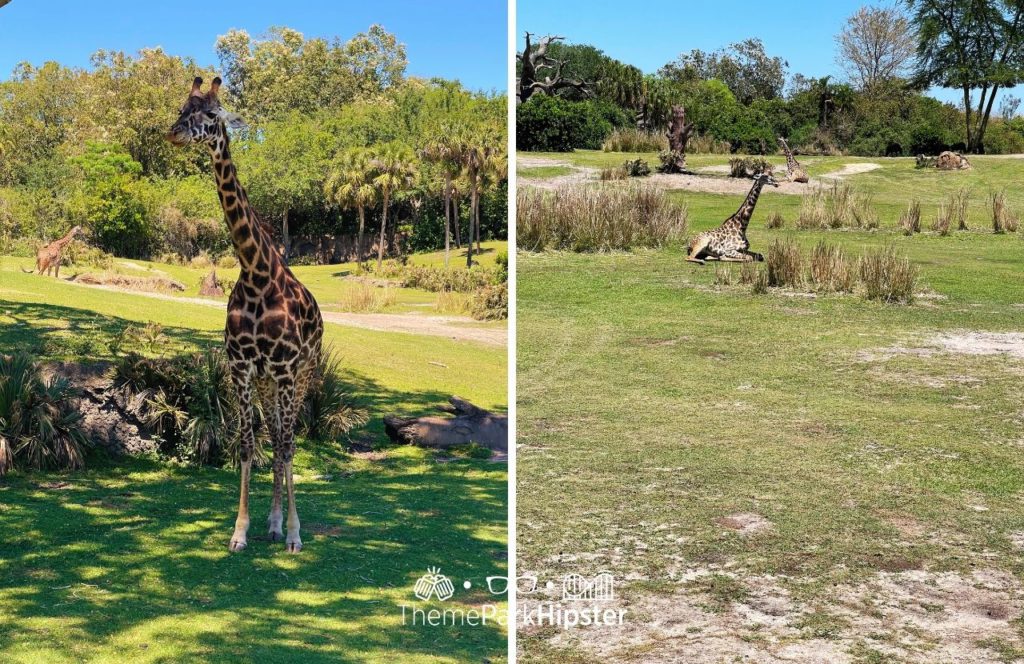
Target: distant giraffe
<point>794,171</point>
<point>274,328</point>
<point>729,241</point>
<point>50,257</point>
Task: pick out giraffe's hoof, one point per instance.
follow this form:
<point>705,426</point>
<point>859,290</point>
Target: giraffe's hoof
<point>293,547</point>
<point>236,545</point>
<point>275,536</point>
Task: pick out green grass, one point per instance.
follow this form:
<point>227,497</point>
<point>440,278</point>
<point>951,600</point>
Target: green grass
<point>129,560</point>
<point>543,171</point>
<point>328,282</point>
<point>676,402</point>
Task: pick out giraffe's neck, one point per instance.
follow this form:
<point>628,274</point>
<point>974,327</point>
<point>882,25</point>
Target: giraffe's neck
<point>252,246</point>
<point>61,243</point>
<point>747,209</point>
<point>790,160</point>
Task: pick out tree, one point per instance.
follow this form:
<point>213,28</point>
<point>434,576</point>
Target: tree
<point>394,171</point>
<point>876,44</point>
<point>349,184</point>
<point>970,45</point>
<point>444,151</point>
<point>108,201</point>
<point>744,66</point>
<point>533,61</point>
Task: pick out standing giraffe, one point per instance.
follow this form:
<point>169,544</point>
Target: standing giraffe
<point>50,257</point>
<point>794,171</point>
<point>274,328</point>
<point>729,241</point>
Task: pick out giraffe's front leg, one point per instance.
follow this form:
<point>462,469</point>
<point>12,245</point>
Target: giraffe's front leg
<point>275,521</point>
<point>737,256</point>
<point>242,380</point>
<point>268,396</point>
<point>287,406</point>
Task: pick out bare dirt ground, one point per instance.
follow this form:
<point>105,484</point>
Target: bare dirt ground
<point>459,328</point>
<point>963,342</point>
<point>910,616</point>
<point>711,179</point>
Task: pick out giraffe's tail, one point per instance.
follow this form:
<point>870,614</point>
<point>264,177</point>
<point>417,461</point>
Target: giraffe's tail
<point>28,271</point>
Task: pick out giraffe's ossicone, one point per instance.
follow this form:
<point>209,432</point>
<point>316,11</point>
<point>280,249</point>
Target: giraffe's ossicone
<point>274,328</point>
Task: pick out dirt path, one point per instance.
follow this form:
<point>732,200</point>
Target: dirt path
<point>458,328</point>
<point>713,179</point>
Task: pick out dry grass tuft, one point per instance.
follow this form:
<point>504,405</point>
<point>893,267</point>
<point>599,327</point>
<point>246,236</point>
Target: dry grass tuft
<point>836,206</point>
<point>365,298</point>
<point>598,218</point>
<point>634,140</point>
<point>910,220</point>
<point>1002,219</point>
<point>829,270</point>
<point>784,263</point>
<point>775,220</point>
<point>888,277</point>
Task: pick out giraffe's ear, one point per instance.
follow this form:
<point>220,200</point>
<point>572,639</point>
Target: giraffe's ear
<point>232,120</point>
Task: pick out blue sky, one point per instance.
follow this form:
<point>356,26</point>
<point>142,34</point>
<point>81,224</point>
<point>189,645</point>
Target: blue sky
<point>463,39</point>
<point>650,33</point>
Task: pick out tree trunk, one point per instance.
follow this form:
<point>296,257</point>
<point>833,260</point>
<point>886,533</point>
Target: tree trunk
<point>447,216</point>
<point>678,136</point>
<point>471,424</point>
<point>383,226</point>
<point>476,224</point>
<point>472,206</point>
<point>284,236</point>
<point>359,238</point>
<point>456,222</point>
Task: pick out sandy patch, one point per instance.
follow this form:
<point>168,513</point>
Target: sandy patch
<point>961,342</point>
<point>126,283</point>
<point>910,616</point>
<point>745,523</point>
<point>850,169</point>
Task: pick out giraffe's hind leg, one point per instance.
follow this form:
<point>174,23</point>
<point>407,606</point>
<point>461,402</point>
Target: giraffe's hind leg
<point>696,249</point>
<point>738,256</point>
<point>242,378</point>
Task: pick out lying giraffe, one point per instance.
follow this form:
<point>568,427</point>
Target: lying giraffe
<point>729,241</point>
<point>794,171</point>
<point>50,257</point>
<point>274,328</point>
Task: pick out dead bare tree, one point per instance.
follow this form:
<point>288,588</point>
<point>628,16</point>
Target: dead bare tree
<point>535,62</point>
<point>679,130</point>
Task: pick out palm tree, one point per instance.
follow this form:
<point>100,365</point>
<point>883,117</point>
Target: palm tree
<point>493,173</point>
<point>475,156</point>
<point>350,184</point>
<point>394,169</point>
<point>444,151</point>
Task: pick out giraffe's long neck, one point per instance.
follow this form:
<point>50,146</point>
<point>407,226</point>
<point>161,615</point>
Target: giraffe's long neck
<point>61,243</point>
<point>791,164</point>
<point>252,246</point>
<point>747,209</point>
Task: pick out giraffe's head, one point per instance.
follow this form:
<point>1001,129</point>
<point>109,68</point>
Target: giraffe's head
<point>766,177</point>
<point>202,118</point>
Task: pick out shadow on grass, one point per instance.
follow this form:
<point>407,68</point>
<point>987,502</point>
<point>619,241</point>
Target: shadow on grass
<point>57,332</point>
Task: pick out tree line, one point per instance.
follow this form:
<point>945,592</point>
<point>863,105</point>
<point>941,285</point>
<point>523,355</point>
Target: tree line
<point>339,140</point>
<point>746,97</point>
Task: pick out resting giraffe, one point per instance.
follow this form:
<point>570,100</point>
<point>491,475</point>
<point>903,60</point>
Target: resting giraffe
<point>729,241</point>
<point>794,171</point>
<point>274,328</point>
<point>50,257</point>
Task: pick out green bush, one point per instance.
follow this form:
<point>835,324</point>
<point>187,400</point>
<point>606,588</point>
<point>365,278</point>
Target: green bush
<point>490,302</point>
<point>636,168</point>
<point>39,425</point>
<point>436,279</point>
<point>553,124</point>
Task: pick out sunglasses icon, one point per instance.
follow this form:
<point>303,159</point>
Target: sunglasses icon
<point>498,585</point>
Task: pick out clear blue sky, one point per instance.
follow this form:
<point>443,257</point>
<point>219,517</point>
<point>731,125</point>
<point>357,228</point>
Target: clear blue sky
<point>455,39</point>
<point>649,33</point>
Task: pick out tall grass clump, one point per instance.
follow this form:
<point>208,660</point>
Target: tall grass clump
<point>39,425</point>
<point>836,206</point>
<point>616,173</point>
<point>784,263</point>
<point>943,217</point>
<point>327,412</point>
<point>634,140</point>
<point>365,298</point>
<point>1002,219</point>
<point>598,218</point>
<point>829,270</point>
<point>708,145</point>
<point>910,219</point>
<point>888,277</point>
<point>774,220</point>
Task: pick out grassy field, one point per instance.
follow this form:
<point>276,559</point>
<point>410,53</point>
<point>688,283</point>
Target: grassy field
<point>128,561</point>
<point>728,452</point>
<point>328,282</point>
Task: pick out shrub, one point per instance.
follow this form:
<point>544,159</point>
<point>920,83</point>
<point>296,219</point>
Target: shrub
<point>80,253</point>
<point>598,219</point>
<point>326,412</point>
<point>759,285</point>
<point>723,276</point>
<point>784,263</point>
<point>631,139</point>
<point>227,261</point>
<point>887,277</point>
<point>490,302</point>
<point>829,270</point>
<point>437,279</point>
<point>617,173</point>
<point>836,206</point>
<point>749,273</point>
<point>910,220</point>
<point>39,424</point>
<point>201,261</point>
<point>553,124</point>
<point>748,167</point>
<point>1002,219</point>
<point>636,168</point>
<point>365,298</point>
<point>775,220</point>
